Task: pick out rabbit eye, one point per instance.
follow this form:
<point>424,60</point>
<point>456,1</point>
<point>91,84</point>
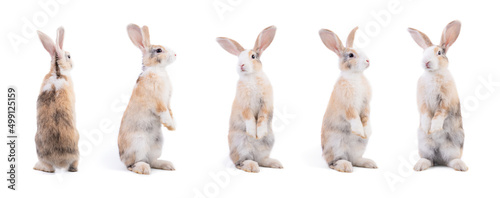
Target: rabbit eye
<point>253,56</point>
<point>159,50</point>
<point>439,52</point>
<point>69,56</point>
<point>351,55</point>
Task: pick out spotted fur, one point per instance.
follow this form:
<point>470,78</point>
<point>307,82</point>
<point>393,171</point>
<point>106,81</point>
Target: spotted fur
<point>250,132</point>
<point>346,125</point>
<point>56,137</point>
<point>440,134</point>
<point>140,140</point>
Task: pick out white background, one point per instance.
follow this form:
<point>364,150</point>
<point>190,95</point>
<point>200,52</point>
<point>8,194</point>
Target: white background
<point>302,71</point>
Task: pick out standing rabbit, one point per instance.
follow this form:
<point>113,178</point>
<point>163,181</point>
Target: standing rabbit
<point>56,137</point>
<point>440,135</point>
<point>140,139</point>
<point>250,129</point>
<point>346,125</point>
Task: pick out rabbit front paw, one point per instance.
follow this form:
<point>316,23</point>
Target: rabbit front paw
<point>425,123</point>
<point>262,130</point>
<point>167,121</point>
<point>436,125</point>
<point>368,130</point>
<point>172,126</point>
<point>251,128</point>
<point>357,128</point>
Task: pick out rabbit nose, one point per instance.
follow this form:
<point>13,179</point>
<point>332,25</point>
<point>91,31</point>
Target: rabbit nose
<point>367,61</point>
<point>242,65</point>
<point>175,54</point>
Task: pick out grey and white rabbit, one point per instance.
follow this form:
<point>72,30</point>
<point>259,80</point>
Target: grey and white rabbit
<point>440,135</point>
<point>140,139</point>
<point>346,124</point>
<point>250,133</point>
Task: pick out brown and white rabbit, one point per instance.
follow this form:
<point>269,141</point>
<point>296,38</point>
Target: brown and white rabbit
<point>140,139</point>
<point>346,124</point>
<point>440,135</point>
<point>56,137</point>
<point>250,132</point>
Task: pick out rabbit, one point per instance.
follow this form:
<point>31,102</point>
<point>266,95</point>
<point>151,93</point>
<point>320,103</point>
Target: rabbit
<point>250,132</point>
<point>346,124</point>
<point>140,139</point>
<point>440,134</point>
<point>56,137</point>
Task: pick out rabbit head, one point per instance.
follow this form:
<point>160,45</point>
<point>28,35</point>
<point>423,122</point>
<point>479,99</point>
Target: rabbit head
<point>435,55</point>
<point>350,58</point>
<point>152,55</point>
<point>249,59</point>
<point>61,59</point>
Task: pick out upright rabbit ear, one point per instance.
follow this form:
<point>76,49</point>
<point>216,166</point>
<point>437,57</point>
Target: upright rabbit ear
<point>47,43</point>
<point>450,34</point>
<point>350,38</point>
<point>422,40</point>
<point>60,37</point>
<point>230,45</point>
<point>145,34</point>
<point>135,35</point>
<point>264,39</point>
<point>331,41</point>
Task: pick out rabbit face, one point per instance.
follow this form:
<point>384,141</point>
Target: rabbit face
<point>354,60</point>
<point>152,55</point>
<point>249,59</point>
<point>248,62</point>
<point>65,62</point>
<point>434,58</point>
<point>435,55</point>
<point>350,58</point>
<point>158,55</point>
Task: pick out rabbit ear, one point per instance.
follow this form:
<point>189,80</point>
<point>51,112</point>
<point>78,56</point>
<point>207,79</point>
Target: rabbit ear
<point>145,34</point>
<point>264,39</point>
<point>331,41</point>
<point>419,37</point>
<point>60,37</point>
<point>350,38</point>
<point>230,45</point>
<point>450,34</point>
<point>135,35</point>
<point>47,43</point>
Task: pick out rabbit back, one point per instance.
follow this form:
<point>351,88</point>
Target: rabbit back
<point>57,137</point>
